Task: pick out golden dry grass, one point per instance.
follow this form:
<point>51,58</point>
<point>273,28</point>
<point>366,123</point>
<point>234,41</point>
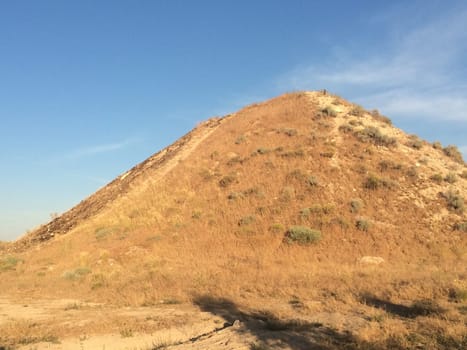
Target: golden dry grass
<point>214,224</point>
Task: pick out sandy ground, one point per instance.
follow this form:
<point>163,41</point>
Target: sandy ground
<point>209,325</point>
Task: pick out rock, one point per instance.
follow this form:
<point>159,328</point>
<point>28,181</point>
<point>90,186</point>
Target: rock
<point>371,260</point>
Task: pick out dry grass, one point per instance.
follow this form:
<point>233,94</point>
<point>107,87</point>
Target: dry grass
<point>190,232</point>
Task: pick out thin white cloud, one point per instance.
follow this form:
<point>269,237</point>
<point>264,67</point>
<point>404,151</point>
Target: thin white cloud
<point>422,73</point>
<point>99,149</point>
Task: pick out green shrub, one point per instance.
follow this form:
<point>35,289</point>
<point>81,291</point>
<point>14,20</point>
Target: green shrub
<point>374,135</point>
<point>302,235</point>
<point>454,201</point>
<point>453,152</point>
<point>450,178</point>
<point>362,224</point>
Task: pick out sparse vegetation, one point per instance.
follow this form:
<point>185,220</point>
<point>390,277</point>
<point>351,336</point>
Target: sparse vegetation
<point>355,205</point>
<point>454,200</point>
<point>246,220</point>
<point>450,178</point>
<point>374,135</point>
<point>302,235</point>
<point>463,174</point>
<point>461,226</point>
<point>8,263</point>
<point>437,145</point>
<point>374,182</point>
<point>438,178</point>
<point>329,111</point>
<point>378,116</point>
<point>227,180</point>
<point>357,111</point>
<point>76,274</point>
<point>289,132</point>
<point>346,128</point>
<point>453,152</point>
<point>414,142</point>
<point>362,224</point>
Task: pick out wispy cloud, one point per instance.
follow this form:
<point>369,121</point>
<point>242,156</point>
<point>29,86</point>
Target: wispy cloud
<point>420,74</point>
<point>99,149</point>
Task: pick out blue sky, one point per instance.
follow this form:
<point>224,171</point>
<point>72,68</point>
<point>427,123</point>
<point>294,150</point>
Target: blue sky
<point>89,88</point>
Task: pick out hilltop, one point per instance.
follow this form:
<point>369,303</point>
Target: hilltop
<point>299,206</point>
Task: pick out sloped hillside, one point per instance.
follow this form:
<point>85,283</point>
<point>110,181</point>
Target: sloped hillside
<point>305,197</point>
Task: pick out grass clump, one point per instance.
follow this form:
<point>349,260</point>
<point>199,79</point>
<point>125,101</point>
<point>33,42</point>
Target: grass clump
<point>355,205</point>
<point>362,224</point>
<point>378,116</point>
<point>8,263</point>
<point>227,180</point>
<point>453,152</point>
<point>302,235</point>
<point>329,111</point>
<point>454,201</point>
<point>374,182</point>
<point>374,135</point>
<point>76,274</point>
<point>246,220</point>
<point>463,174</point>
<point>437,145</point>
<point>414,142</point>
<point>450,178</point>
<point>438,178</point>
<point>461,226</point>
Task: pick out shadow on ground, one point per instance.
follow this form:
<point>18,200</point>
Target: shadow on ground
<point>418,308</point>
<point>276,333</point>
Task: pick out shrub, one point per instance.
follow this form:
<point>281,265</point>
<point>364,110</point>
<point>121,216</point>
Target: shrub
<point>8,263</point>
<point>276,228</point>
<point>453,153</point>
<point>76,273</point>
<point>438,178</point>
<point>355,205</point>
<point>454,201</point>
<point>461,226</point>
<point>227,180</point>
<point>240,139</point>
<point>346,128</point>
<point>246,220</point>
<point>378,116</point>
<point>463,174</point>
<point>302,235</point>
<point>437,145</point>
<point>329,111</point>
<point>362,224</point>
<point>289,132</point>
<point>373,134</point>
<point>450,178</point>
<point>414,142</point>
<point>312,181</point>
<point>373,183</point>
<point>357,111</point>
